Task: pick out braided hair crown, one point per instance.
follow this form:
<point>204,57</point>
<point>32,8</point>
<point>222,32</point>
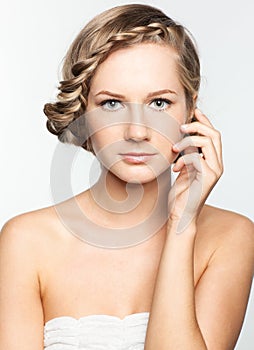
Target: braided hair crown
<point>118,27</point>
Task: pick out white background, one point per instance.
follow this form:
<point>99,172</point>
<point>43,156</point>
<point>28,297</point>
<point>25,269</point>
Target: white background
<point>34,38</point>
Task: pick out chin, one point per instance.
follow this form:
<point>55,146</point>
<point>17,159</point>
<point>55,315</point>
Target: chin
<point>141,175</point>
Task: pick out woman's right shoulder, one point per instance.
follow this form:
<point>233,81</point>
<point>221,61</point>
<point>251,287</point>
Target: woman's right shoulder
<point>30,230</point>
<point>25,253</point>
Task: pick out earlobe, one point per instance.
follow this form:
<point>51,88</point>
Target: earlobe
<point>192,117</point>
<point>195,98</point>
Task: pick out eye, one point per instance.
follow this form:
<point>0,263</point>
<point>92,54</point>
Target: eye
<point>111,105</point>
<point>160,104</point>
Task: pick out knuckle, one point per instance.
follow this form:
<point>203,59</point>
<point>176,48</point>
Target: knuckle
<point>217,133</point>
<point>196,156</point>
<point>214,176</point>
<point>218,173</point>
<point>195,124</point>
<point>207,140</point>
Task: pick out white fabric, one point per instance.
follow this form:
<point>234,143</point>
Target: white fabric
<point>96,332</point>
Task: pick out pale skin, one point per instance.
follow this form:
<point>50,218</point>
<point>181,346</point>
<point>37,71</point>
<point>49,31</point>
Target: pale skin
<point>194,284</point>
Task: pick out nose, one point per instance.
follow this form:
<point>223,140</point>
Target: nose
<point>136,129</point>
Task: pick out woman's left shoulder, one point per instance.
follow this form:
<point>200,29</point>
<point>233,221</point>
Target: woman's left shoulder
<point>225,218</point>
<point>225,238</point>
<point>226,226</point>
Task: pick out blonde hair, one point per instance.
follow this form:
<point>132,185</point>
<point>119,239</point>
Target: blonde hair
<point>116,28</point>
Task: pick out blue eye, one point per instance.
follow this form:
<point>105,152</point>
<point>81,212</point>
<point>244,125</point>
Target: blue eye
<point>160,104</point>
<point>111,105</point>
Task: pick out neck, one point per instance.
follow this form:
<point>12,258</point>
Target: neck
<point>119,202</point>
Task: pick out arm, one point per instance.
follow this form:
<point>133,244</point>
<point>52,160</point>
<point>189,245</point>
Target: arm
<point>173,324</point>
<point>211,315</point>
<point>182,317</point>
<point>21,316</point>
<point>223,291</point>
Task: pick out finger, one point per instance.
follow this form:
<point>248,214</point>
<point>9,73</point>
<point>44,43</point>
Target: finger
<point>193,171</point>
<point>193,160</point>
<point>202,118</point>
<point>207,147</point>
<point>205,130</point>
<point>188,173</point>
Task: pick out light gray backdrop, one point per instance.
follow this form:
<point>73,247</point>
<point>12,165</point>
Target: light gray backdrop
<point>34,39</point>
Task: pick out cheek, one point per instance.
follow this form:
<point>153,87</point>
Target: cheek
<point>167,123</point>
<point>98,141</point>
<point>166,130</point>
<point>106,139</point>
<point>164,147</point>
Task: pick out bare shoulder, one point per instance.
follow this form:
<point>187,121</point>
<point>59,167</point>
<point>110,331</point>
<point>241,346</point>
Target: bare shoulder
<point>24,241</point>
<point>225,241</point>
<point>224,228</point>
<point>29,231</point>
<point>29,220</point>
<point>223,222</point>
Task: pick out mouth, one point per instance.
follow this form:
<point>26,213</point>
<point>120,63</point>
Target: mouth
<point>137,158</point>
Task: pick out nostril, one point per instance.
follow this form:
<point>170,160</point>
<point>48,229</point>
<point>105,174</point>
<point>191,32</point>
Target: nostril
<point>137,132</point>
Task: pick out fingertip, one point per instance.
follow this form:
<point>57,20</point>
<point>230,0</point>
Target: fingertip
<point>175,148</point>
<point>198,111</point>
<point>177,166</point>
<point>184,127</point>
<point>174,167</point>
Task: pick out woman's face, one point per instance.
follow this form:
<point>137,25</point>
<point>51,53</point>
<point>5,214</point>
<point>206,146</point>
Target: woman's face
<point>136,104</point>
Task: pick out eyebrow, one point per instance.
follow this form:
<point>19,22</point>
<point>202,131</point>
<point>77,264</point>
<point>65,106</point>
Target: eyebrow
<point>151,94</point>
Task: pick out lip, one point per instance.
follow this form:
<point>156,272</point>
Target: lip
<point>137,158</point>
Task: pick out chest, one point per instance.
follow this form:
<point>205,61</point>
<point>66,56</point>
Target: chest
<point>80,282</point>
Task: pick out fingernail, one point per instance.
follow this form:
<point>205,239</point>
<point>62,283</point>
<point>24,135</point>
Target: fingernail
<point>176,146</point>
<point>184,126</point>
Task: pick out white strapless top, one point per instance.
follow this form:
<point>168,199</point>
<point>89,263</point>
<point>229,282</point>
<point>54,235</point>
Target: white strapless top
<point>96,332</point>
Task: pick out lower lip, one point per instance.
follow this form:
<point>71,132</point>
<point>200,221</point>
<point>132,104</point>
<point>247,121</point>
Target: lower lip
<point>137,159</point>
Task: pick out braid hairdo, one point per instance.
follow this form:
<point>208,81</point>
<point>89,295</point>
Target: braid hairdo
<point>72,99</point>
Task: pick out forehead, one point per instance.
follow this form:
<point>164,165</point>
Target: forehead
<point>146,66</point>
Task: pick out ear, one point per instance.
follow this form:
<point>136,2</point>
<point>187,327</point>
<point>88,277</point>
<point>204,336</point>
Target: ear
<point>191,116</point>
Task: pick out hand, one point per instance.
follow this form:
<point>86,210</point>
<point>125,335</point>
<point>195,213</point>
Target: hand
<point>198,172</point>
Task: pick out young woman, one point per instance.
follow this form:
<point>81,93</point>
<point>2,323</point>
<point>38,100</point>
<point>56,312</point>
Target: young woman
<point>134,262</point>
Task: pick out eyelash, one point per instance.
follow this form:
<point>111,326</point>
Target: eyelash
<point>104,102</point>
<point>165,100</point>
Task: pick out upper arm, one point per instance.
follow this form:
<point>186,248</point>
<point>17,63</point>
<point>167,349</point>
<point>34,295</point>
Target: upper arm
<point>222,292</point>
<point>21,316</point>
